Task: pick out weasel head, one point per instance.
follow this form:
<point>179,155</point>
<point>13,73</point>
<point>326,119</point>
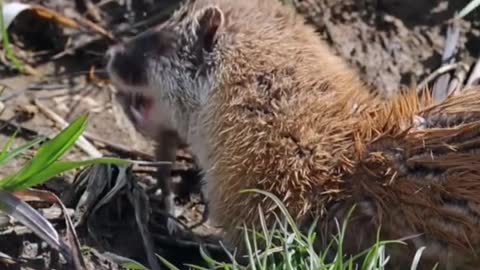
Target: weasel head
<point>164,75</point>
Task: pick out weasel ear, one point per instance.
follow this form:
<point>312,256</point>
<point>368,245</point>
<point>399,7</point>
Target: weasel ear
<point>208,23</point>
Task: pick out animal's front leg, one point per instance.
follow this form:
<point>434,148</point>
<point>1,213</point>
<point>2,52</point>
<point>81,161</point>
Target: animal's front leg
<point>166,148</point>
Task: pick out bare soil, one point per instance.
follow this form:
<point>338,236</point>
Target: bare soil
<point>392,44</point>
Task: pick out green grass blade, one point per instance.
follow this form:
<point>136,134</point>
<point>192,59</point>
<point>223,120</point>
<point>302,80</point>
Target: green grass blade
<point>60,167</point>
<point>249,248</point>
<point>468,8</point>
<point>49,152</point>
<point>6,156</point>
<point>416,259</point>
<point>6,42</point>
<point>197,267</point>
<point>280,204</point>
<point>211,263</point>
<point>7,146</point>
<point>134,266</point>
<point>56,147</point>
<point>167,263</point>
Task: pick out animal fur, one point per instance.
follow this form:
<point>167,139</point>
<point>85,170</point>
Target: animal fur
<point>265,104</point>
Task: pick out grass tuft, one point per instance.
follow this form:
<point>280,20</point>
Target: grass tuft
<point>45,164</point>
<point>286,248</point>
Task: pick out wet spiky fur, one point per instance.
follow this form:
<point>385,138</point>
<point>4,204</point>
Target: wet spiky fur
<point>410,166</point>
<point>268,106</point>
<point>423,177</point>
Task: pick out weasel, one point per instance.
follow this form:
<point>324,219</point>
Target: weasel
<point>265,104</point>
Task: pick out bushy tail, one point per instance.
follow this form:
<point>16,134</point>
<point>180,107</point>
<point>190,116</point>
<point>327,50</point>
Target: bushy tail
<point>421,171</point>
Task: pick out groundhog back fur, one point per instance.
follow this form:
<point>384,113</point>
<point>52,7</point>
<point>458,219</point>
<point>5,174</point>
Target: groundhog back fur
<point>279,118</point>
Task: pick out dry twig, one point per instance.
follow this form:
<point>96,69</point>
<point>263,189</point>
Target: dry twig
<point>475,75</point>
<point>438,72</point>
<point>441,85</point>
<point>83,143</point>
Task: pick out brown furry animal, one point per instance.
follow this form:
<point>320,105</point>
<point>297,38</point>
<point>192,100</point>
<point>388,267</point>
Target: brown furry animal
<point>265,104</point>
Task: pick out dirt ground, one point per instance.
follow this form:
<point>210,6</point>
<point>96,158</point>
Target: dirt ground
<point>392,44</point>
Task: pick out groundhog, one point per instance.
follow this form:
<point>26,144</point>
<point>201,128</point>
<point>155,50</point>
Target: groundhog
<point>265,104</point>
